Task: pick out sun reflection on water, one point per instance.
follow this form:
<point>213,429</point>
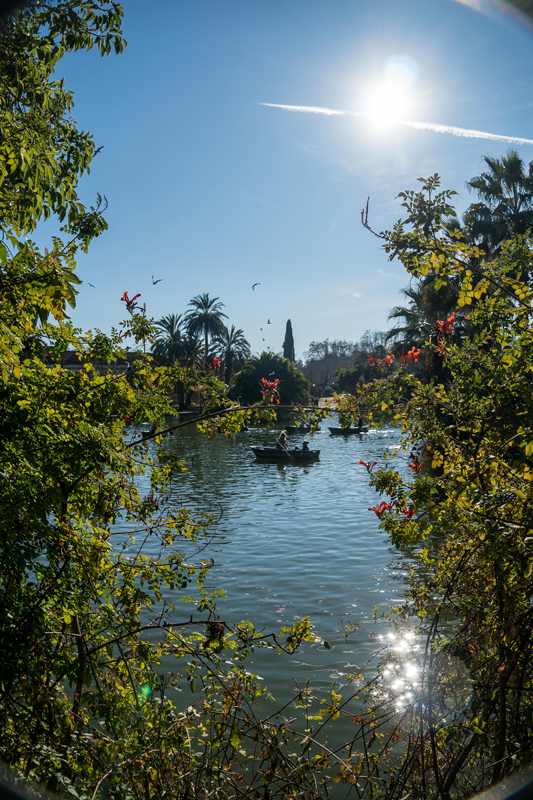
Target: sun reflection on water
<point>422,688</point>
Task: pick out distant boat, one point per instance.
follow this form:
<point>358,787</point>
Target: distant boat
<point>350,430</point>
<point>303,428</point>
<point>282,455</point>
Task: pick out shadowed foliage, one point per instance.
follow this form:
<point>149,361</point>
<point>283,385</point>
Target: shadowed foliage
<point>293,387</point>
<point>233,348</point>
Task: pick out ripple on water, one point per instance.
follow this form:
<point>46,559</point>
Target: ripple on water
<point>295,540</point>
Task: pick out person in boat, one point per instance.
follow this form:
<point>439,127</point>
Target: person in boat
<point>281,441</point>
<point>360,422</point>
<point>305,445</point>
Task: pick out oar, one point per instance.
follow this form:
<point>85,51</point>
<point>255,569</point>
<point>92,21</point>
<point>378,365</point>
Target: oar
<point>289,454</point>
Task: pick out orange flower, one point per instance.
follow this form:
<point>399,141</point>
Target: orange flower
<point>216,363</point>
<point>446,326</point>
<point>131,305</point>
<point>409,512</point>
<point>380,508</point>
<point>269,390</point>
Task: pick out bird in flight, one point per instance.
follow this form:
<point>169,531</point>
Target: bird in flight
<point>157,281</point>
<point>91,284</point>
<point>255,284</point>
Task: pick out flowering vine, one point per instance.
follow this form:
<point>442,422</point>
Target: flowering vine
<point>131,305</point>
<point>269,390</point>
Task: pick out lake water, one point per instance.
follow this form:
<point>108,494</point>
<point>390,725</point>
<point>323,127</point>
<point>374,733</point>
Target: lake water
<point>294,540</point>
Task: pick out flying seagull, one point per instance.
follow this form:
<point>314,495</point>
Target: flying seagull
<point>255,284</point>
<point>157,281</point>
<point>91,284</point>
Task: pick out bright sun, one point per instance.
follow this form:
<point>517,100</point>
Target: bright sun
<point>391,99</point>
<point>387,104</point>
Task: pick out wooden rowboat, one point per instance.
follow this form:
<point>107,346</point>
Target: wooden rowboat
<point>273,452</point>
<point>349,431</point>
<point>297,428</point>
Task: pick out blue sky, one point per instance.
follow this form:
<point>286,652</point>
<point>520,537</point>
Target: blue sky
<point>212,192</point>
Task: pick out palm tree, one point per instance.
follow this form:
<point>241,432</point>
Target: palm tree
<point>175,344</point>
<point>205,318</point>
<point>170,342</point>
<point>412,325</point>
<point>506,202</point>
<point>233,349</point>
<point>416,322</point>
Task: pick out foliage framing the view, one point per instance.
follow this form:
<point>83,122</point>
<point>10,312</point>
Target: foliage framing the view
<point>469,445</point>
<point>87,617</point>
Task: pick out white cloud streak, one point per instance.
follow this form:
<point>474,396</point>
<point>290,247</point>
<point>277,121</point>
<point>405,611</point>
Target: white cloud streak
<point>423,126</point>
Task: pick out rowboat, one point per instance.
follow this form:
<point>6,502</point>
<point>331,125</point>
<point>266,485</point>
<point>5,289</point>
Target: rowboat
<point>349,431</point>
<point>298,428</point>
<point>273,452</point>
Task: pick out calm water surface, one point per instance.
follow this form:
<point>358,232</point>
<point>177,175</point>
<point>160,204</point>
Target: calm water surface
<point>294,540</point>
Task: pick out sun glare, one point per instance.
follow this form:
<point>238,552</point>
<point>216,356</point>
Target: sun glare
<point>386,105</point>
<point>391,100</point>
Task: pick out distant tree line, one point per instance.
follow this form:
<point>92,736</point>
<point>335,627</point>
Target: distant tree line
<point>339,364</point>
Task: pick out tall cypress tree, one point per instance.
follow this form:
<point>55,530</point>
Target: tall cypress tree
<point>288,344</point>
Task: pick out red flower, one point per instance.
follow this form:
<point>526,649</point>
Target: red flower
<point>409,512</point>
<point>440,348</point>
<point>412,354</point>
<point>269,390</point>
<point>369,466</point>
<point>373,361</point>
<point>131,305</point>
<point>380,508</point>
<point>388,360</point>
<point>446,326</point>
<point>415,465</point>
<point>216,363</point>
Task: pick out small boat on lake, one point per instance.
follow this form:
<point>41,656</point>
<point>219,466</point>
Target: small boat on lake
<point>303,428</point>
<point>283,455</point>
<point>350,430</point>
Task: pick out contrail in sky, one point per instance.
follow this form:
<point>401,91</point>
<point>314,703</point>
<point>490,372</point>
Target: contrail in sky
<point>423,126</point>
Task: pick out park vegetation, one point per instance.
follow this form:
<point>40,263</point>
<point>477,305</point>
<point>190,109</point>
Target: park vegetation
<point>467,506</point>
<point>111,688</point>
<point>86,616</point>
